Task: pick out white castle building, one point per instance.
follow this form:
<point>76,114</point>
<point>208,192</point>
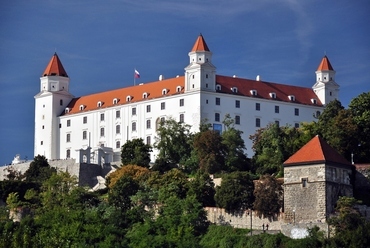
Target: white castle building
<point>92,128</point>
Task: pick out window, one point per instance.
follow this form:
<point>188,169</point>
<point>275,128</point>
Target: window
<point>277,109</point>
<point>296,111</point>
<point>148,140</point>
<point>258,106</point>
<point>164,91</point>
<point>181,102</point>
<point>68,153</point>
<point>272,95</point>
<point>237,119</point>
<point>68,123</point>
<point>253,92</point>
<point>258,122</point>
<point>101,117</point>
<point>43,126</point>
<point>218,87</point>
<point>178,88</point>
<point>118,129</point>
<point>60,125</point>
<point>148,124</point>
<point>84,135</point>
<point>118,144</point>
<point>291,98</point>
<point>133,111</point>
<point>148,108</point>
<point>133,126</point>
<point>82,107</point>
<point>100,104</point>
<point>234,90</point>
<point>304,182</point>
<point>128,98</point>
<point>217,117</point>
<point>181,118</point>
<point>237,104</point>
<point>163,105</point>
<point>115,101</point>
<point>206,75</point>
<point>277,123</point>
<point>61,102</point>
<point>42,142</point>
<point>84,120</point>
<point>118,114</point>
<point>145,95</point>
<point>102,132</point>
<point>296,125</point>
<point>68,138</point>
<point>163,119</point>
<point>218,101</point>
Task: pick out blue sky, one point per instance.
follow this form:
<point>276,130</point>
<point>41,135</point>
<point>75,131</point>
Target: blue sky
<point>101,42</point>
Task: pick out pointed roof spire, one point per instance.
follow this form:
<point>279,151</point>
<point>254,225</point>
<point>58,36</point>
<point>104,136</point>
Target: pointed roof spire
<point>55,68</point>
<point>314,152</point>
<point>325,65</point>
<point>200,45</point>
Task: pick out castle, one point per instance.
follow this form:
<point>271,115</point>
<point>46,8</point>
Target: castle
<point>93,128</point>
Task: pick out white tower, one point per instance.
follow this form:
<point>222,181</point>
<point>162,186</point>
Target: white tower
<point>50,102</point>
<point>325,87</point>
<point>200,74</point>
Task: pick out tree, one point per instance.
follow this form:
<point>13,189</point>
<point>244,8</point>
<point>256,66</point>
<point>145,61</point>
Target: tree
<point>135,152</point>
<point>134,171</point>
<point>203,188</point>
<point>39,170</point>
<point>235,157</point>
<point>120,194</point>
<point>236,192</point>
<point>268,194</point>
<point>173,142</point>
<point>351,229</point>
<point>360,109</point>
<point>210,151</point>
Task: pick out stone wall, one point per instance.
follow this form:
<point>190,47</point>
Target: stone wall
<point>242,220</point>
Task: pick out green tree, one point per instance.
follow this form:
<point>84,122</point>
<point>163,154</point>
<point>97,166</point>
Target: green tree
<point>235,157</point>
<point>120,194</point>
<point>39,170</point>
<point>360,109</point>
<point>173,141</point>
<point>210,151</point>
<point>203,188</point>
<point>268,194</point>
<point>135,152</point>
<point>236,192</point>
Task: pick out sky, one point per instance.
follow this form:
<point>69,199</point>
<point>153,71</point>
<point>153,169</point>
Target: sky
<point>101,42</point>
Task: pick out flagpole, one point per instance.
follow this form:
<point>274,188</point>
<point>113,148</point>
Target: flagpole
<point>134,77</point>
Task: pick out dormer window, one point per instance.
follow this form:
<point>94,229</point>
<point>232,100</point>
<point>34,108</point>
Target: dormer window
<point>82,107</point>
<point>291,98</point>
<point>272,95</point>
<point>164,91</point>
<point>314,101</point>
<point>145,95</point>
<point>100,103</point>
<point>128,98</point>
<point>234,89</point>
<point>253,92</point>
<point>115,101</point>
<point>66,110</point>
<point>218,87</point>
<point>178,88</point>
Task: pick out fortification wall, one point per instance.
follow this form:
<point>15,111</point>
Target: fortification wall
<point>243,219</point>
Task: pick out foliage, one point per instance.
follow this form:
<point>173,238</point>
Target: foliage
<point>268,194</point>
<point>203,188</point>
<point>134,171</point>
<point>39,170</point>
<point>235,158</point>
<point>173,141</point>
<point>13,174</point>
<point>136,152</point>
<point>224,236</point>
<point>120,193</point>
<point>360,110</point>
<point>273,145</point>
<point>210,151</point>
<point>236,192</point>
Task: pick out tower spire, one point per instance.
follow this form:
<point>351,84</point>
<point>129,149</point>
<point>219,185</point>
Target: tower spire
<point>55,67</point>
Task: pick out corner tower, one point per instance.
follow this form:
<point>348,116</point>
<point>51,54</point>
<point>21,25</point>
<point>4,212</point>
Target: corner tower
<point>50,102</point>
<point>200,74</point>
<point>325,87</point>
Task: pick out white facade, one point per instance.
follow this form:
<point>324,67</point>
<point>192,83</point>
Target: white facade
<point>64,125</point>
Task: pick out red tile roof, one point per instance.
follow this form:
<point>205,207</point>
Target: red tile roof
<point>325,65</point>
<point>263,89</point>
<point>200,45</point>
<point>55,68</point>
<point>154,90</point>
<point>314,152</point>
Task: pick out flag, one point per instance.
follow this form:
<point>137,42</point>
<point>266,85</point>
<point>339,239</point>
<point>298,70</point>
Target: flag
<point>137,74</point>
